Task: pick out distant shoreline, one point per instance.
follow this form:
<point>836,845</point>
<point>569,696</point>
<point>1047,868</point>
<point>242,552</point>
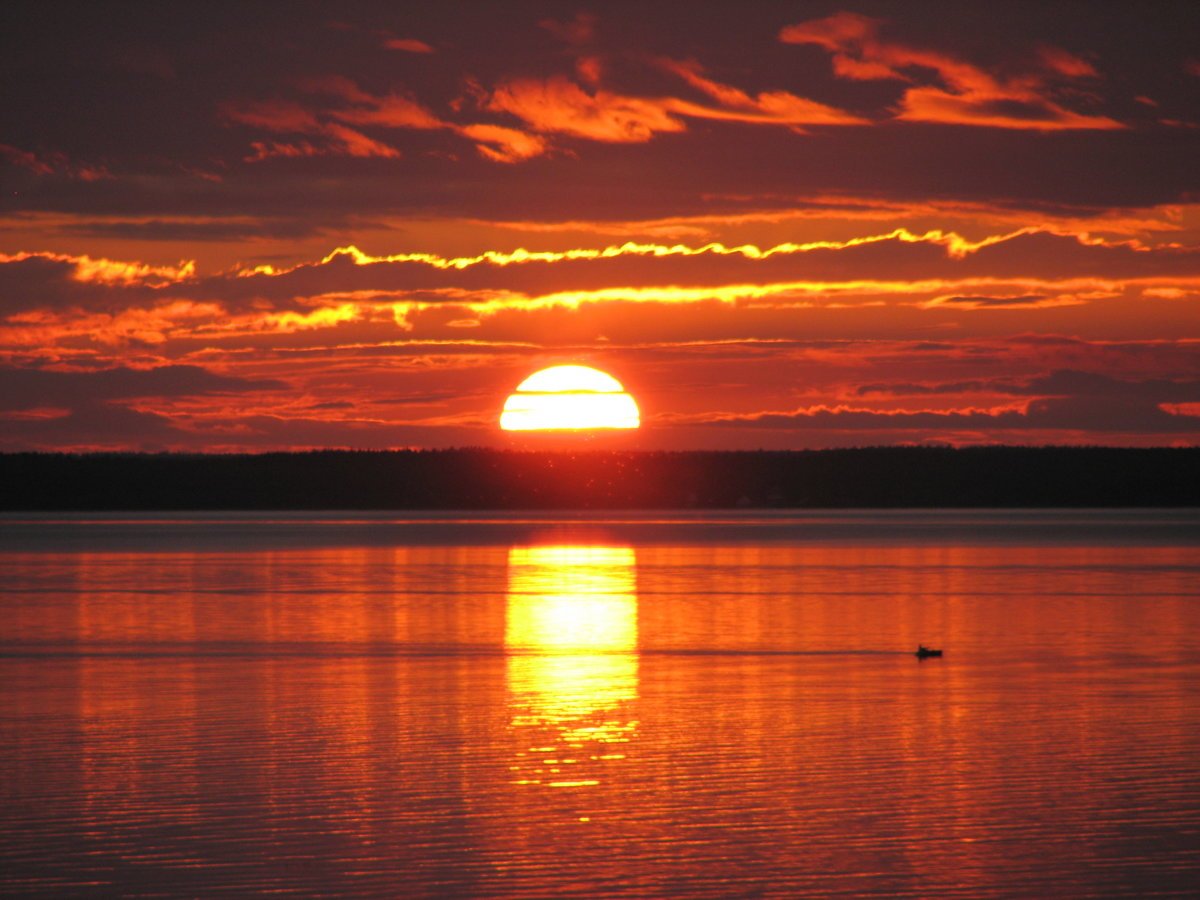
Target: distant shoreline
<point>484,479</point>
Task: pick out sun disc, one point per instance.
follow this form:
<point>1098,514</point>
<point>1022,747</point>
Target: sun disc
<point>571,378</point>
<point>569,398</point>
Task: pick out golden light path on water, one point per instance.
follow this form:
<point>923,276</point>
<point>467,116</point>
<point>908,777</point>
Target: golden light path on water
<point>571,635</point>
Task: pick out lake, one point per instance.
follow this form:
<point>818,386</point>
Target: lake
<point>601,705</point>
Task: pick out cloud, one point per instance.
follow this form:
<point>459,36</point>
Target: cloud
<point>90,427</point>
<point>263,150</point>
<point>1017,270</point>
<point>1062,383</point>
<point>935,270</point>
<point>961,93</point>
<point>353,106</point>
<point>1066,64</point>
<point>506,145</point>
<point>52,164</point>
<point>408,45</point>
<point>392,110</point>
<point>51,409</point>
<point>1022,301</point>
<point>765,108</point>
<point>272,115</point>
<point>289,117</point>
<point>1074,414</point>
<point>577,31</point>
<point>90,409</point>
<point>914,389</point>
<point>197,228</point>
<point>26,160</point>
<point>1072,383</point>
<point>54,280</point>
<point>558,105</point>
<point>935,280</point>
<point>22,389</point>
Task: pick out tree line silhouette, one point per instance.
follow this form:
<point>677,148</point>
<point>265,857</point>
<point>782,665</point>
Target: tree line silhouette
<point>474,478</point>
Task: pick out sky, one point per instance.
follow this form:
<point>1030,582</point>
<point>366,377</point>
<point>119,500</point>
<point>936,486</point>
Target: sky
<point>227,227</point>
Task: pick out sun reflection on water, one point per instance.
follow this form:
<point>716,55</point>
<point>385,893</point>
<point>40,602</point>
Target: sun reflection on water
<point>571,634</point>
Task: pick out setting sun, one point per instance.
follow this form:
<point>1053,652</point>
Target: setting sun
<point>569,398</point>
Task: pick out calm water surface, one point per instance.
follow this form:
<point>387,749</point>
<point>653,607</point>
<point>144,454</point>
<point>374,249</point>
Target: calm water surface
<point>625,706</point>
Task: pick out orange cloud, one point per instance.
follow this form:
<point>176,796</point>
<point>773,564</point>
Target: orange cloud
<point>927,280</point>
<point>52,164</point>
<point>408,45</point>
<point>559,105</point>
<point>966,94</point>
<point>392,111</point>
<point>1009,301</point>
<point>555,105</point>
<point>389,111</point>
<point>26,160</point>
<point>109,271</point>
<point>590,69</point>
<point>355,143</point>
<point>270,149</point>
<point>291,118</point>
<point>1103,413</point>
<point>507,145</point>
<point>358,107</point>
<point>1067,64</point>
<point>272,115</point>
<point>768,107</point>
<point>1156,224</point>
<point>496,142</point>
<point>954,244</point>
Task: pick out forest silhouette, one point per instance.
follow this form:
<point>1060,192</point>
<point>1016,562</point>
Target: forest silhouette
<point>474,478</point>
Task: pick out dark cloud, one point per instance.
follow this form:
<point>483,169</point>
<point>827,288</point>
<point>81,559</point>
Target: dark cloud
<point>974,301</point>
<point>913,389</point>
<point>46,281</point>
<point>1061,383</point>
<point>213,230</point>
<point>1102,415</point>
<point>418,399</point>
<point>331,404</point>
<point>84,409</point>
<point>32,388</point>
<point>91,426</point>
<point>1069,383</point>
<point>114,427</point>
